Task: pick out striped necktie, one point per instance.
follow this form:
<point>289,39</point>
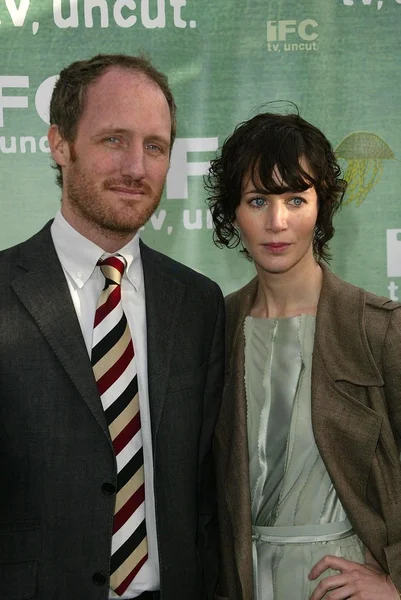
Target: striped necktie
<point>113,363</point>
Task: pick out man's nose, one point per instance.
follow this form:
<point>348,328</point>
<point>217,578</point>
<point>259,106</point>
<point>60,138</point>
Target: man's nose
<point>133,162</point>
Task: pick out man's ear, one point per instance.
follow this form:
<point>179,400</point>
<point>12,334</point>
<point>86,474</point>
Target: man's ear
<point>58,145</point>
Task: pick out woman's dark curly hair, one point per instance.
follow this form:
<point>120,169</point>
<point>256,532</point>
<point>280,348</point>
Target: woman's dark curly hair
<point>266,144</point>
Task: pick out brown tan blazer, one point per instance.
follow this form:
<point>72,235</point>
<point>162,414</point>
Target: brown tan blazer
<point>356,417</point>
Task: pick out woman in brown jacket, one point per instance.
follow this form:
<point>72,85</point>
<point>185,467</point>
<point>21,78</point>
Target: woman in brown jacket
<point>307,443</point>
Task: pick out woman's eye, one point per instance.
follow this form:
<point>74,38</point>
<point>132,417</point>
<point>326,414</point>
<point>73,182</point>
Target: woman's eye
<point>297,201</point>
<point>258,202</point>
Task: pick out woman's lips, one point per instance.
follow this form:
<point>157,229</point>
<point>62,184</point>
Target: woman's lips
<point>277,247</point>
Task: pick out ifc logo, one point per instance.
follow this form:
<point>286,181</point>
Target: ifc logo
<point>281,35</point>
<point>393,261</point>
<point>393,252</point>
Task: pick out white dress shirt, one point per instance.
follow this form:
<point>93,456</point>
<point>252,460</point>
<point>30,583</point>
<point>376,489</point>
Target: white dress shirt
<point>78,257</point>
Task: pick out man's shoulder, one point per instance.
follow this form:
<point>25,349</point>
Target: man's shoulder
<point>10,254</point>
<point>39,240</point>
<point>175,269</point>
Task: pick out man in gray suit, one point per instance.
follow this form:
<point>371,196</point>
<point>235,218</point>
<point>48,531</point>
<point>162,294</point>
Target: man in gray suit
<point>111,364</point>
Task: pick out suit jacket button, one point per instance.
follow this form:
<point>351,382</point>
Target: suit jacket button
<point>108,488</point>
<point>99,578</point>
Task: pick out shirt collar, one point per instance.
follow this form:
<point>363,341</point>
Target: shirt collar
<point>79,256</point>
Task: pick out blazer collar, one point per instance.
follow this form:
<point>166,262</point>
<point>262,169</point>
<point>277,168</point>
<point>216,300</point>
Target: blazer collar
<point>238,306</point>
<point>341,333</point>
<point>231,434</point>
<point>340,330</point>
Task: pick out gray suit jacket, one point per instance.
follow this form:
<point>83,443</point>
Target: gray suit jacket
<point>356,418</point>
<point>55,449</point>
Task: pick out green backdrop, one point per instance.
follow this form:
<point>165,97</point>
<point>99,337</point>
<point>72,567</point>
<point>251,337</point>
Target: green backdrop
<point>338,60</point>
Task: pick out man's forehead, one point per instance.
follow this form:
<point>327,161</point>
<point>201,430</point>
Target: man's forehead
<point>119,92</point>
<point>116,78</point>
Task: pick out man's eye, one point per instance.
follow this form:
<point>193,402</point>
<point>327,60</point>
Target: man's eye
<point>153,147</point>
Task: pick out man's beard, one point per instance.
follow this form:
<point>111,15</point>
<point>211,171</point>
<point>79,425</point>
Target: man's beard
<point>88,203</point>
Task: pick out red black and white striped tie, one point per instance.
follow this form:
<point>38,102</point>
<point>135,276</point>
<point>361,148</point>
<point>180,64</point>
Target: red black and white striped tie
<point>113,362</point>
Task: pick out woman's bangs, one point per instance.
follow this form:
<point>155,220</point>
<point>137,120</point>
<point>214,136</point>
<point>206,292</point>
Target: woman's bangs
<point>278,169</point>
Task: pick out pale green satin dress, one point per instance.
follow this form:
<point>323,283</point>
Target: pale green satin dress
<point>297,517</point>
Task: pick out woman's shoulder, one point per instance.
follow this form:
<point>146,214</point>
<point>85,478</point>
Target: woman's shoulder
<point>348,308</point>
<point>381,302</point>
<point>238,306</point>
<point>242,297</point>
<point>351,293</point>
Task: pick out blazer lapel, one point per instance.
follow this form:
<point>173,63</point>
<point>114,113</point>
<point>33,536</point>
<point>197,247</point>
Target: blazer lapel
<point>232,431</point>
<point>341,334</point>
<point>338,383</point>
<point>340,337</point>
<point>164,296</point>
<point>42,288</point>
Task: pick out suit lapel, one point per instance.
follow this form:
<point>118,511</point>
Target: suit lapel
<point>42,288</point>
<point>164,295</point>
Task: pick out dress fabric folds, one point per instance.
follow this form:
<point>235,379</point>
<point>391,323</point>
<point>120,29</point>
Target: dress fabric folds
<point>297,517</point>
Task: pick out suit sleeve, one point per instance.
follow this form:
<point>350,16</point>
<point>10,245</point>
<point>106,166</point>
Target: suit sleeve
<point>208,538</point>
<point>392,388</point>
<point>392,371</point>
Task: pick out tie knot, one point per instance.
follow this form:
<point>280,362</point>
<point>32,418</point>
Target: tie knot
<point>113,269</point>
